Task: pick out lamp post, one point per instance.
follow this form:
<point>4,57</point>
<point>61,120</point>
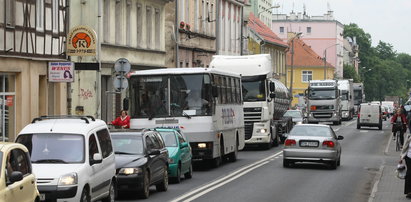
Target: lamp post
<point>292,62</point>
<point>325,59</point>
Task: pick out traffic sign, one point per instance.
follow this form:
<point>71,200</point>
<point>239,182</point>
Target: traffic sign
<point>122,66</point>
<point>120,83</point>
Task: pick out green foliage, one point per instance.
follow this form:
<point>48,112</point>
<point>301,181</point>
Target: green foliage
<point>383,71</point>
<point>350,73</point>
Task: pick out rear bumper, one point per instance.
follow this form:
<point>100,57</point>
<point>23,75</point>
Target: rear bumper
<point>310,154</point>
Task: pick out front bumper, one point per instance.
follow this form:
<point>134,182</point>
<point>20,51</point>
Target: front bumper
<point>326,116</point>
<point>54,192</point>
<point>310,154</point>
<point>130,182</point>
<point>261,139</point>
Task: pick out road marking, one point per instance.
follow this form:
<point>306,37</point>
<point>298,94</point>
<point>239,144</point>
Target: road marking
<point>364,131</point>
<point>377,179</point>
<point>220,182</point>
<point>388,146</point>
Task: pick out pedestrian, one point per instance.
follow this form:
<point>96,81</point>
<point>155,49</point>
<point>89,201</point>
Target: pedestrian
<point>406,156</point>
<point>123,120</point>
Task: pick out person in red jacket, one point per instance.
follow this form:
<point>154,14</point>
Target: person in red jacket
<point>399,122</point>
<point>123,120</point>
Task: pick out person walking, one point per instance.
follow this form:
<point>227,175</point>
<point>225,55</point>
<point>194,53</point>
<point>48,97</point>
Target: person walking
<point>406,156</point>
<point>123,120</point>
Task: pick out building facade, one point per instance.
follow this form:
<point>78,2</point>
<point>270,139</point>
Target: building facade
<point>261,9</point>
<point>323,33</point>
<point>263,41</point>
<point>131,29</point>
<point>351,49</point>
<point>304,65</point>
<point>32,34</point>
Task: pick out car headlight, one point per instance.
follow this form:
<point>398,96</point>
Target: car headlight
<point>298,122</point>
<point>68,179</point>
<point>262,130</point>
<point>170,160</point>
<point>130,171</point>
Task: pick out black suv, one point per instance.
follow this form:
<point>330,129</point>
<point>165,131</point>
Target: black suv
<point>141,161</point>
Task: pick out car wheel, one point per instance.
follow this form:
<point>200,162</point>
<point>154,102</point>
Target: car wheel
<point>339,161</point>
<point>286,163</point>
<point>163,186</point>
<point>145,191</point>
<point>380,127</point>
<point>189,174</point>
<point>177,179</point>
<point>276,141</point>
<point>358,126</point>
<point>111,194</point>
<point>333,164</point>
<point>84,196</point>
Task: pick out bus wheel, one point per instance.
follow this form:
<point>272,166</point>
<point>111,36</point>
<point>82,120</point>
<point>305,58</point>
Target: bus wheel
<point>232,157</point>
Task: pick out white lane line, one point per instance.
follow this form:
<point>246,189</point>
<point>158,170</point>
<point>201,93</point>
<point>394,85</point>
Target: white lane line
<point>388,145</point>
<point>225,178</point>
<point>223,183</point>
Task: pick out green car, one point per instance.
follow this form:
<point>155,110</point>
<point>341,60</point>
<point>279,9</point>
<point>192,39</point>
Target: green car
<point>179,152</point>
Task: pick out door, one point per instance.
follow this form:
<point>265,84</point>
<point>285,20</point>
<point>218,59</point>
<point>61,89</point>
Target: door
<point>7,107</point>
<point>95,176</point>
<point>155,165</point>
<point>25,189</point>
<point>185,154</point>
<point>108,168</point>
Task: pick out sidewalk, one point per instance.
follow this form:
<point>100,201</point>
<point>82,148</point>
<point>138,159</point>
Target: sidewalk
<point>387,187</point>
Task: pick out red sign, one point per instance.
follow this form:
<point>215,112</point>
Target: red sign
<point>9,100</point>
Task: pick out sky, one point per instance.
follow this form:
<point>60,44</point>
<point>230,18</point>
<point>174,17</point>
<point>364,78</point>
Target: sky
<point>385,20</point>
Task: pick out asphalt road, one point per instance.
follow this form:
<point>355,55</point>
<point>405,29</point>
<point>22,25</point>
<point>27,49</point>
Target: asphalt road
<point>258,175</point>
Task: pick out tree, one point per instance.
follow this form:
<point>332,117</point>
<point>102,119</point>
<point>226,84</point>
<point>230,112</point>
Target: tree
<point>385,51</point>
<point>350,73</point>
<point>405,60</point>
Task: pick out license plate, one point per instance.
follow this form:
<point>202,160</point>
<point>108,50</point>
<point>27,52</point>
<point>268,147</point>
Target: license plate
<point>42,197</point>
<point>365,120</point>
<point>309,144</point>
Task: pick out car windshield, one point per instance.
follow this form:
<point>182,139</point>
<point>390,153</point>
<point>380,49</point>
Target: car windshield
<point>320,94</point>
<point>127,144</point>
<point>313,131</point>
<point>294,114</point>
<point>254,89</point>
<point>54,148</point>
<point>169,138</point>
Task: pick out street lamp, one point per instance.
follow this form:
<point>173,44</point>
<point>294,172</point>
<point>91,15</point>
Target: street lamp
<point>325,59</point>
<point>297,35</point>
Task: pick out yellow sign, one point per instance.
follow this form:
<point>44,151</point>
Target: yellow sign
<point>81,41</point>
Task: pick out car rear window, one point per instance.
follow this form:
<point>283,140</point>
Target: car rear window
<point>126,144</point>
<point>169,138</point>
<point>306,130</point>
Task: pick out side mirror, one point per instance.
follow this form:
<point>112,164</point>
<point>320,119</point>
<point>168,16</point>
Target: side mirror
<point>306,92</point>
<point>97,158</point>
<point>15,176</point>
<point>272,95</point>
<point>340,137</point>
<point>125,104</point>
<point>272,86</point>
<point>154,152</point>
<point>214,91</point>
<point>183,145</point>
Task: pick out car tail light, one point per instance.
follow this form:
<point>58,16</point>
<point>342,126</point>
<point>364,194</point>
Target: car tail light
<point>329,144</point>
<point>290,142</point>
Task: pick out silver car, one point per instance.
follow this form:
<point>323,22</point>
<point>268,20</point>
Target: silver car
<point>312,143</point>
<point>296,115</point>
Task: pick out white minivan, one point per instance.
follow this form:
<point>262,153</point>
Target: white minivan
<point>369,114</point>
<point>72,158</point>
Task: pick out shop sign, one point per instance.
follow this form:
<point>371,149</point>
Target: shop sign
<point>61,72</point>
<point>81,41</point>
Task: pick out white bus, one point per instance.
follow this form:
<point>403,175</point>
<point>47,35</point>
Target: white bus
<point>206,104</point>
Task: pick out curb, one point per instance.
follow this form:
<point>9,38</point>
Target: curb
<point>377,179</point>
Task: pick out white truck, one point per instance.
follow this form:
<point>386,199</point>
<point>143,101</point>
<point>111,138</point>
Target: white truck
<point>323,102</point>
<point>265,98</point>
<point>359,96</point>
<point>347,98</point>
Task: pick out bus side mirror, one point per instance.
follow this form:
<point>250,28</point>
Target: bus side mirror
<point>125,104</point>
<point>272,95</point>
<point>214,91</point>
<point>272,87</point>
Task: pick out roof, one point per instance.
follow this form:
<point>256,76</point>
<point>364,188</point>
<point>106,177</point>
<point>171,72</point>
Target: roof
<point>67,126</point>
<point>304,56</point>
<point>264,32</point>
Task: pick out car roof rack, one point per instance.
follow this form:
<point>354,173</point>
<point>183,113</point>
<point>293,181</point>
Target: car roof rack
<point>85,118</point>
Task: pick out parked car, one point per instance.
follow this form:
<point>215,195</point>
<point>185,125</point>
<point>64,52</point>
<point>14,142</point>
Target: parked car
<point>369,114</point>
<point>72,158</point>
<point>141,161</point>
<point>296,115</point>
<point>179,153</point>
<point>312,143</point>
<point>17,179</point>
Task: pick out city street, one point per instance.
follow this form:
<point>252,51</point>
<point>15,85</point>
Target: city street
<point>258,175</point>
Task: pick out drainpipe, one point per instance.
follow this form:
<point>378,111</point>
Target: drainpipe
<point>177,36</point>
<point>217,29</point>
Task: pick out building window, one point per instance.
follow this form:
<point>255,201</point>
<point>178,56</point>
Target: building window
<point>55,16</point>
<point>139,24</point>
<point>40,15</point>
<point>281,29</point>
<point>119,13</point>
<point>149,26</point>
<point>158,28</point>
<point>106,20</point>
<point>10,13</point>
<point>309,30</point>
<point>128,23</point>
<point>307,76</point>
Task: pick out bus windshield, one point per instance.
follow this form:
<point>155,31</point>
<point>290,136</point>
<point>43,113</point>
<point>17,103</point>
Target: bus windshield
<point>322,94</point>
<point>157,96</point>
<point>254,89</point>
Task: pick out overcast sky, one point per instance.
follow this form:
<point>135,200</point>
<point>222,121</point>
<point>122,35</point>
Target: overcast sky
<point>385,20</point>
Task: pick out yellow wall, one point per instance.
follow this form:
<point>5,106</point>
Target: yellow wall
<point>299,86</point>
